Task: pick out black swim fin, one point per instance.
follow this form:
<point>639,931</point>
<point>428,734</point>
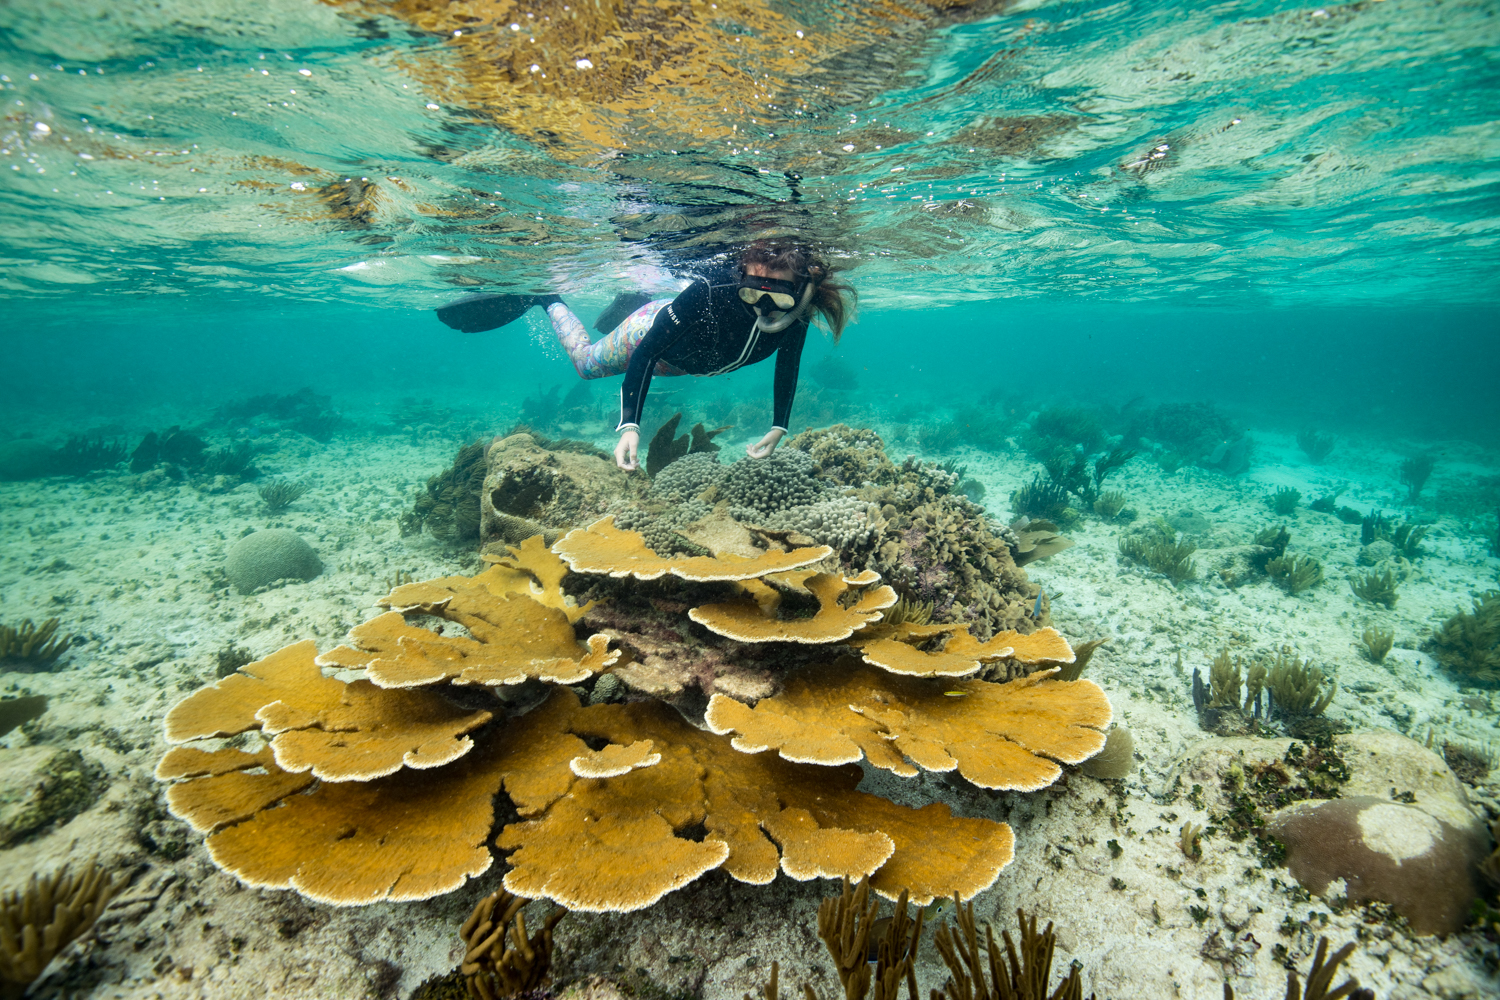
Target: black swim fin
<point>624,304</point>
<point>489,310</point>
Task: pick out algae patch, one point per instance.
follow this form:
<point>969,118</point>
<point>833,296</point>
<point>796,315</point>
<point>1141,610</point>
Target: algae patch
<point>43,786</point>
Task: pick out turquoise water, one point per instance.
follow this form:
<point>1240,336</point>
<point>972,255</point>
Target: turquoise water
<point>1272,205</point>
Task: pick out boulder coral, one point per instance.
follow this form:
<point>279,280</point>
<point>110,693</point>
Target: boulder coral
<point>264,557</point>
<point>384,787</point>
<point>1424,868</point>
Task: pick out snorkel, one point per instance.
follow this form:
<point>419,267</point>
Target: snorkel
<point>775,320</point>
<point>782,320</point>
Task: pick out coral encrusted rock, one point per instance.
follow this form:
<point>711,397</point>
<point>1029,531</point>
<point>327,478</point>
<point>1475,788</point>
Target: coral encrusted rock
<point>529,490</point>
<point>41,786</point>
<point>270,555</point>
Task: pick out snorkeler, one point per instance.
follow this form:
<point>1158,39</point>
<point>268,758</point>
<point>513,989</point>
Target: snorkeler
<point>728,317</point>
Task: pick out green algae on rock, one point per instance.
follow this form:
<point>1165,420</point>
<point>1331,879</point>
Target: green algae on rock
<point>41,786</point>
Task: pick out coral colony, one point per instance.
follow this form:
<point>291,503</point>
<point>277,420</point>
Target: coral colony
<point>384,788</point>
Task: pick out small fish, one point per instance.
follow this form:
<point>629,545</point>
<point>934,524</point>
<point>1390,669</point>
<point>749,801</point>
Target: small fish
<point>1036,612</point>
<point>956,694</point>
<point>882,927</point>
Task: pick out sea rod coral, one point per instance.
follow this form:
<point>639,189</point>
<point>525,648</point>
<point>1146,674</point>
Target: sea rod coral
<point>381,788</point>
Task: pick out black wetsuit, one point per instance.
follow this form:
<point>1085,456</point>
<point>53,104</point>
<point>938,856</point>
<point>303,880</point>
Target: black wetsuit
<point>707,330</point>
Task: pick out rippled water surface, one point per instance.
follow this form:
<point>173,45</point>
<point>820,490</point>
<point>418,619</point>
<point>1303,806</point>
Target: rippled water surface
<point>1247,153</point>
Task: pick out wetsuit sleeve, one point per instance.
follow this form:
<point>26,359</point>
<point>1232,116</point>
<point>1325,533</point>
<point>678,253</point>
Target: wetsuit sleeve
<point>670,325</point>
<point>788,362</point>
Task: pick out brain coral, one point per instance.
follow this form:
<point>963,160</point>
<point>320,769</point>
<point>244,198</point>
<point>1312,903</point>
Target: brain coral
<point>266,556</point>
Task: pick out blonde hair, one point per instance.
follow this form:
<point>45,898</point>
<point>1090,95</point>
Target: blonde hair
<point>834,300</point>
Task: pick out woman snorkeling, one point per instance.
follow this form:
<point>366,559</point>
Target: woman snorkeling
<point>728,317</point>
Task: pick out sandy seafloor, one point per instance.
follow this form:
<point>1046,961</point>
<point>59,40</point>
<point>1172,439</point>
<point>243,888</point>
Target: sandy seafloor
<point>135,570</point>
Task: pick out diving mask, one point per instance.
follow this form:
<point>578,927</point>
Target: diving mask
<point>754,290</point>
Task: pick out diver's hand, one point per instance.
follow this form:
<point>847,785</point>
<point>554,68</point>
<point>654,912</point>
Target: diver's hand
<point>766,445</point>
<point>625,451</point>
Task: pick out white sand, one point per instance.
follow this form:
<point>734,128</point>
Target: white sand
<point>138,576</point>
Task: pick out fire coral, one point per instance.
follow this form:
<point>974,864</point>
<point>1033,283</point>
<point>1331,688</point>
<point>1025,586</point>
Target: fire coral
<point>381,788</point>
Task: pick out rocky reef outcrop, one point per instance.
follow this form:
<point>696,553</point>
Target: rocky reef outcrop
<point>530,489</point>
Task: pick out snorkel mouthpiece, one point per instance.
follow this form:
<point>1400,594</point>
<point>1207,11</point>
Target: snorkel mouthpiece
<point>782,320</point>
